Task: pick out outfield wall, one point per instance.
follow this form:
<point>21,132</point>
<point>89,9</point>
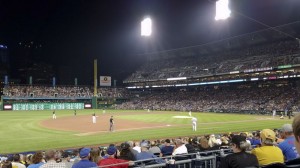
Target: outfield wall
<point>56,103</point>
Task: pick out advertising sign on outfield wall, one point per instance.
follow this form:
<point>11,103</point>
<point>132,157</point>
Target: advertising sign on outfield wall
<point>47,106</point>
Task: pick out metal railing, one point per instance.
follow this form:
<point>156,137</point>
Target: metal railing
<point>194,160</point>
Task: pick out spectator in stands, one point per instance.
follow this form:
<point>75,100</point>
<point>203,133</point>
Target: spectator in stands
<point>126,153</point>
<point>203,144</point>
<point>28,159</point>
<point>37,160</point>
<point>189,145</point>
<point>130,143</point>
<point>288,145</point>
<point>84,162</point>
<point>6,164</point>
<point>239,158</point>
<point>65,158</point>
<point>225,139</point>
<point>256,139</point>
<point>268,153</point>
<point>75,156</point>
<point>145,154</point>
<point>95,155</point>
<point>17,162</point>
<point>180,147</point>
<point>167,149</point>
<point>154,148</point>
<point>119,163</point>
<point>296,131</point>
<point>137,147</point>
<point>51,156</point>
<point>212,142</point>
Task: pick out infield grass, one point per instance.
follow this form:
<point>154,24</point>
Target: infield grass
<point>21,130</point>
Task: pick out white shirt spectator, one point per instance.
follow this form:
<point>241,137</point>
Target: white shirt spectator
<point>137,148</point>
<point>180,150</point>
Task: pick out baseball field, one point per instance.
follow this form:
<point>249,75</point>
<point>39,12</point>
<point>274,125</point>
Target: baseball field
<point>23,131</point>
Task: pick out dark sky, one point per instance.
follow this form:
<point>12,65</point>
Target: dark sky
<point>74,32</point>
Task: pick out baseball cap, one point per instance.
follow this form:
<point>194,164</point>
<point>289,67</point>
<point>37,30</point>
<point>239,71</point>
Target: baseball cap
<point>111,150</point>
<point>267,134</point>
<point>287,128</point>
<point>84,152</point>
<point>237,139</point>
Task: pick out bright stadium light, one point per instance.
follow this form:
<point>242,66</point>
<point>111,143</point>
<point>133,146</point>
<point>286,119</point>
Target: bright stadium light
<point>222,10</point>
<point>146,27</point>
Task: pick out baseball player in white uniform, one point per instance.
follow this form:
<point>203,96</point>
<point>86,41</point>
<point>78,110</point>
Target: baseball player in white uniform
<point>53,115</point>
<point>274,113</point>
<point>94,118</point>
<point>194,123</point>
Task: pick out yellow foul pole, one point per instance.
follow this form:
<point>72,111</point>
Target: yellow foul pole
<point>95,77</point>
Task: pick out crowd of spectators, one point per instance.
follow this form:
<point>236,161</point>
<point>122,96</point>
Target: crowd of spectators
<point>29,91</point>
<point>256,148</point>
<point>260,56</point>
<point>246,98</point>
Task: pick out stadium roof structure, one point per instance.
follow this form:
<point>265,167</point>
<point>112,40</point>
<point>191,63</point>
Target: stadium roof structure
<point>282,32</point>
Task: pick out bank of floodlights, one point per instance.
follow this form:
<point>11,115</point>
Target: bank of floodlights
<point>222,10</point>
<point>146,27</point>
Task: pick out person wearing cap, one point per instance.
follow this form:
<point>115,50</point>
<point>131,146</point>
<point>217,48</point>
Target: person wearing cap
<point>288,145</point>
<point>268,153</point>
<point>84,162</point>
<point>51,156</point>
<point>239,158</point>
<point>112,160</point>
<point>167,149</point>
<point>146,155</point>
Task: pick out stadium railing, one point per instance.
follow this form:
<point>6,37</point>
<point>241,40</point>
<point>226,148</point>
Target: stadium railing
<point>194,160</point>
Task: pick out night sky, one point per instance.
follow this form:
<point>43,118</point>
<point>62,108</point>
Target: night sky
<point>72,33</point>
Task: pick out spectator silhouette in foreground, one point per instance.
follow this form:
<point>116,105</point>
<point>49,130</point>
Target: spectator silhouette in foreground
<point>268,153</point>
<point>296,131</point>
<point>287,146</point>
<point>239,158</point>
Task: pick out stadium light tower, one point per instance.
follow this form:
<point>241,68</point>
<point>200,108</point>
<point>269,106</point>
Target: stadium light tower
<point>222,10</point>
<point>146,27</point>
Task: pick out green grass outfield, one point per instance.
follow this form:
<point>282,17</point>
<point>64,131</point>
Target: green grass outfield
<point>21,131</point>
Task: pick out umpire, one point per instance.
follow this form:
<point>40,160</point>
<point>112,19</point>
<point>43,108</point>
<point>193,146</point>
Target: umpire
<point>111,124</point>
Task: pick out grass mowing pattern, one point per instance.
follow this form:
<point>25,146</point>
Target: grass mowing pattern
<point>21,131</point>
